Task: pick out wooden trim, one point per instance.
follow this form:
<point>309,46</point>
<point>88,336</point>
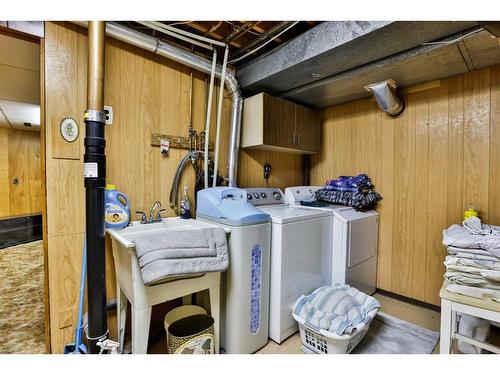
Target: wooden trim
<point>412,301</point>
<point>44,195</point>
<point>421,87</point>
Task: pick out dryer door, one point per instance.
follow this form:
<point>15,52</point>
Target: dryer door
<point>363,236</point>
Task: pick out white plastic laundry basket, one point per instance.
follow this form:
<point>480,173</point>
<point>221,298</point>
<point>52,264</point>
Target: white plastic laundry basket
<point>325,342</point>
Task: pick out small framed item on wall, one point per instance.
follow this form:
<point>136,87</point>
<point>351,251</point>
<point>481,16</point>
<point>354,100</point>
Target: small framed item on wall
<point>69,129</point>
<point>65,138</point>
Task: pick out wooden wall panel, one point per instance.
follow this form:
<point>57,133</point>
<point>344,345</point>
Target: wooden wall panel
<point>149,94</point>
<point>20,158</point>
<point>494,197</point>
<point>421,108</point>
<point>4,173</point>
<point>437,193</point>
<point>429,164</point>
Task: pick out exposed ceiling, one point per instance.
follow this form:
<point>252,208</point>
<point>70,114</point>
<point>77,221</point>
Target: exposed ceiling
<point>332,62</point>
<point>241,36</point>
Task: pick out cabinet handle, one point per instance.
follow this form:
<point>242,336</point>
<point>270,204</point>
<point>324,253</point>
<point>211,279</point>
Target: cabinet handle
<point>299,136</point>
<point>293,139</point>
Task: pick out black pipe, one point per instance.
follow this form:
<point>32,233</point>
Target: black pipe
<point>95,159</point>
<point>95,182</point>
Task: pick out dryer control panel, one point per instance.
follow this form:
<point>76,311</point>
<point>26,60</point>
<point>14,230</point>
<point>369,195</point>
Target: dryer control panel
<point>265,196</point>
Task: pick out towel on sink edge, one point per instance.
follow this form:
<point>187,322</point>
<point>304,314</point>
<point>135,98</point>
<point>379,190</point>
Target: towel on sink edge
<point>192,243</point>
<point>158,264</point>
<point>338,308</point>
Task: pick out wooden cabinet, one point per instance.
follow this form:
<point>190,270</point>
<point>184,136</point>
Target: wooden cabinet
<point>271,123</point>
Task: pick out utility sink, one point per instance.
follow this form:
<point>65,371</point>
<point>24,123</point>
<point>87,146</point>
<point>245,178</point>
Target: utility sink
<point>125,236</point>
<point>130,286</point>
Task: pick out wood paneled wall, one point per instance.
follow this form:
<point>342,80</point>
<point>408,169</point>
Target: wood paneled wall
<point>441,155</point>
<point>149,94</point>
<point>20,158</point>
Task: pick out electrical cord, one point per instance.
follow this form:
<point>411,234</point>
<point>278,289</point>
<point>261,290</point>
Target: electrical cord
<point>446,42</point>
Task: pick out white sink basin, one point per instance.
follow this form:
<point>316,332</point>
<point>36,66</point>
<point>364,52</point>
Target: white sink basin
<point>126,235</point>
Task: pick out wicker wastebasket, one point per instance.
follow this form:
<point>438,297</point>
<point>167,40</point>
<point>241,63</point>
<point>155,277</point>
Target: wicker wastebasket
<point>191,335</point>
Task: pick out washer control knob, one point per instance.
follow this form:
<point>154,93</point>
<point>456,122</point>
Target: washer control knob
<point>249,197</point>
<point>263,195</point>
<point>277,195</point>
<point>256,195</point>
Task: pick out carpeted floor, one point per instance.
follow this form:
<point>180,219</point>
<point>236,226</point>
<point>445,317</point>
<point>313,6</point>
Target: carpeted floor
<point>22,310</point>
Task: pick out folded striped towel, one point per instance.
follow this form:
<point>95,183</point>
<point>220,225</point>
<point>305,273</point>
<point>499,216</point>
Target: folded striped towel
<point>338,308</point>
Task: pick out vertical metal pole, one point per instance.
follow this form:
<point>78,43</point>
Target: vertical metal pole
<point>95,181</point>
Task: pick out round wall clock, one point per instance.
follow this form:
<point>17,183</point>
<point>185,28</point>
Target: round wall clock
<point>69,129</point>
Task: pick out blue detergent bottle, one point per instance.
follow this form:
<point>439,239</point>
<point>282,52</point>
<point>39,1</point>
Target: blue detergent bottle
<point>117,208</point>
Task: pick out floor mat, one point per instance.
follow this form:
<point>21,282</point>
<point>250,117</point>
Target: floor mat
<point>22,306</point>
<point>390,335</point>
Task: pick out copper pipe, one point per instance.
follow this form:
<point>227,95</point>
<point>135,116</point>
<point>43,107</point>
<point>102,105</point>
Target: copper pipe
<point>95,75</point>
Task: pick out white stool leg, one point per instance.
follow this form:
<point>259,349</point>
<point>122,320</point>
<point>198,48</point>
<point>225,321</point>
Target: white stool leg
<point>140,330</point>
<point>187,300</point>
<point>447,329</point>
<point>215,311</point>
<point>121,316</point>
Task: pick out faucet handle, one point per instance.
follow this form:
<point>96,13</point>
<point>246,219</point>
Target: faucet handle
<point>144,218</point>
<point>158,216</point>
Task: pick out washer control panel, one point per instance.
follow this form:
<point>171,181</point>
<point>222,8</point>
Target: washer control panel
<point>265,196</point>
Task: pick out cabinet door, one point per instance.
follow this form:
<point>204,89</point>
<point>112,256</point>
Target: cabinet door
<point>308,129</point>
<point>279,122</point>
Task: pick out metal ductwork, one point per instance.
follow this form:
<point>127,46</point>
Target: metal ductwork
<point>385,95</point>
<point>194,61</point>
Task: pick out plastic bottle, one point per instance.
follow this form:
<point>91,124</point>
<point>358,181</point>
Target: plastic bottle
<point>471,211</point>
<point>185,205</point>
<point>116,209</point>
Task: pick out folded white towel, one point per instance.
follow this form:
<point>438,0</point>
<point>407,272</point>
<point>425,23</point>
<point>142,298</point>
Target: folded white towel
<point>474,226</point>
<point>452,260</point>
<point>477,254</point>
<point>470,279</point>
<point>458,236</point>
<point>477,292</point>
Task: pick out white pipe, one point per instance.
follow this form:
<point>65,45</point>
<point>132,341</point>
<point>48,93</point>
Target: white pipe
<point>194,61</point>
<point>219,116</point>
<point>209,114</point>
<point>154,26</point>
<point>192,35</point>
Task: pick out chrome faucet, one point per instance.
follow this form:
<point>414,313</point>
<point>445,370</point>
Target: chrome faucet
<point>156,208</point>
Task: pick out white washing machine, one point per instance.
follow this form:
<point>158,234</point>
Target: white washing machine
<point>355,239</point>
<point>245,285</point>
<point>300,255</point>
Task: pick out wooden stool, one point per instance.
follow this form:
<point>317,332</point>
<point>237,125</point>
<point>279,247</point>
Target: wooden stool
<point>453,303</point>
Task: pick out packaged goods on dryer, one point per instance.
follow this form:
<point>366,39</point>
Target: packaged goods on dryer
<point>354,191</point>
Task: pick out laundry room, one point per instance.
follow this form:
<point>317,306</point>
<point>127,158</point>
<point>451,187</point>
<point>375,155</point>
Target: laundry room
<point>175,183</point>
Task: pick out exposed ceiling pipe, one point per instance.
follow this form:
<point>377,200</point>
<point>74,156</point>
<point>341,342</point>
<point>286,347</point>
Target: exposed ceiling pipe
<point>385,95</point>
<point>194,61</point>
<point>240,31</point>
<point>275,30</point>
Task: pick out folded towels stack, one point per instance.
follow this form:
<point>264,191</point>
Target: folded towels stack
<point>181,253</point>
<point>473,263</point>
<point>354,191</point>
<point>338,308</point>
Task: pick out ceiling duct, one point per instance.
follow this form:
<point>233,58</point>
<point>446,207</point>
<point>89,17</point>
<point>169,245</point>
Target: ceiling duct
<point>385,95</point>
<point>19,115</point>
